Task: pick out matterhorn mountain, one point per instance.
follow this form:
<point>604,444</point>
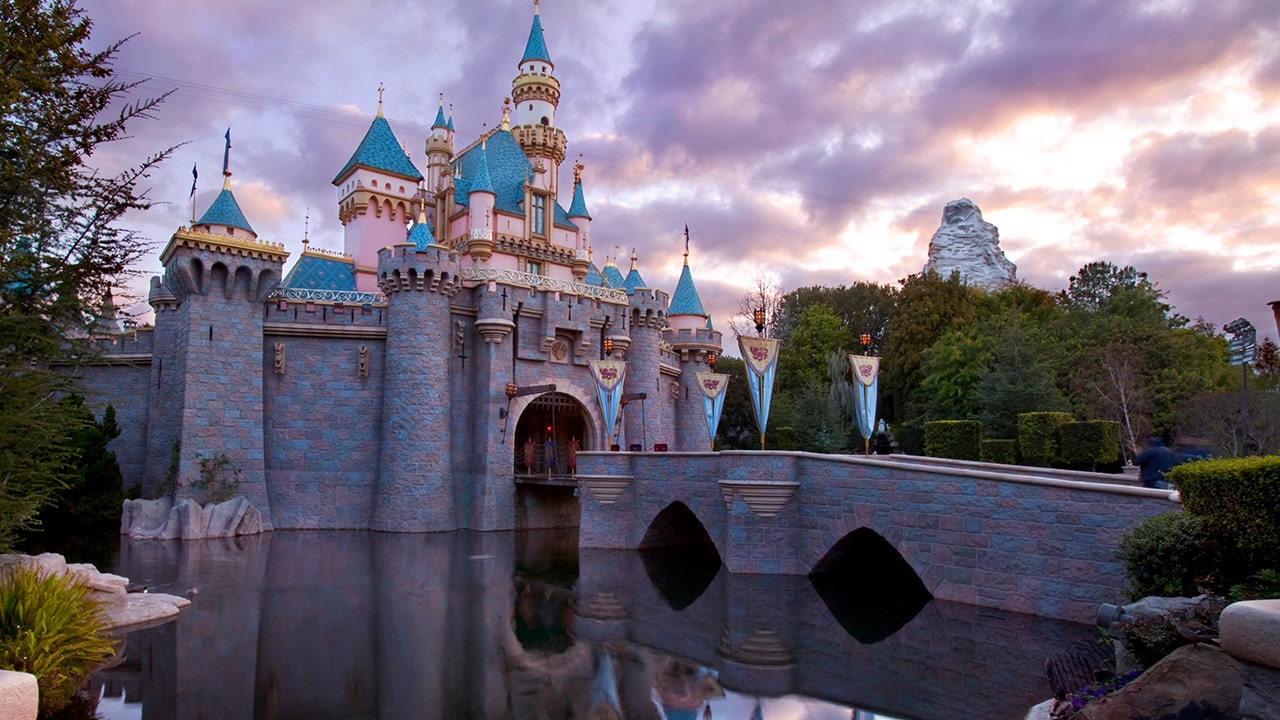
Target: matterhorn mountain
<point>967,243</point>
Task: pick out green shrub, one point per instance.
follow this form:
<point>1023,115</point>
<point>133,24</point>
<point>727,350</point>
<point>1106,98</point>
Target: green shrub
<point>219,479</point>
<point>50,629</point>
<point>956,439</point>
<point>1165,555</point>
<point>999,451</point>
<point>1038,436</point>
<point>1264,585</point>
<point>1090,443</point>
<point>1238,500</point>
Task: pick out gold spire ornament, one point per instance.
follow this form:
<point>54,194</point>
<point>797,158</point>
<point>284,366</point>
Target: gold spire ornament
<point>380,100</point>
<point>506,113</point>
<point>577,169</point>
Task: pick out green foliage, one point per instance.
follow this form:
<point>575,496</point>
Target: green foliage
<point>956,439</point>
<point>1151,639</point>
<point>219,479</point>
<point>802,360</point>
<point>93,493</point>
<point>861,307</point>
<point>50,629</point>
<point>1038,436</point>
<point>61,247</point>
<point>1264,585</point>
<point>1239,501</point>
<point>928,307</point>
<point>1004,452</point>
<point>1090,443</point>
<point>1165,555</point>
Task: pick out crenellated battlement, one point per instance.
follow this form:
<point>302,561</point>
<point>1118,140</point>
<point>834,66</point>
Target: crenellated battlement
<point>694,343</point>
<point>403,268</point>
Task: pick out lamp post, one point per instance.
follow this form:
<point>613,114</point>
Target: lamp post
<point>608,347</point>
<point>1243,347</point>
<point>759,316</point>
<point>865,339</point>
<point>711,360</point>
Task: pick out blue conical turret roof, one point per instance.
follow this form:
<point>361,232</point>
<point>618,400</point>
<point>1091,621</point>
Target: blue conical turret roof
<point>536,48</point>
<point>440,121</point>
<point>225,211</point>
<point>480,182</point>
<point>420,234</point>
<point>613,277</point>
<point>593,276</point>
<point>578,208</point>
<point>686,300</point>
<point>380,150</point>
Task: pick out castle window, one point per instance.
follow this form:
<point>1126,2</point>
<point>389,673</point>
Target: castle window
<point>539,215</point>
<point>533,267</point>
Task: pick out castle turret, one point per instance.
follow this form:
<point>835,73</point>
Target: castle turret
<point>376,189</point>
<point>208,363</point>
<point>579,216</point>
<point>536,93</point>
<point>415,478</point>
<point>694,342</point>
<point>480,202</point>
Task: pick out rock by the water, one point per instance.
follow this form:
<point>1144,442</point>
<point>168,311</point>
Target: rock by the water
<point>971,245</point>
<point>187,520</point>
<point>120,609</point>
<point>1194,681</point>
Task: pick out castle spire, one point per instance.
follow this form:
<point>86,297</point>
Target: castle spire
<point>380,100</point>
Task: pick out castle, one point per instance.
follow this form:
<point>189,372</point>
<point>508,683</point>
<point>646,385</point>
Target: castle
<point>409,382</point>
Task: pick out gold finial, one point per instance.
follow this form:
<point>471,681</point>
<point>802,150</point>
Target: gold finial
<point>380,100</point>
<point>306,228</point>
<point>535,7</point>
<point>506,113</point>
<point>577,170</point>
<point>422,201</point>
<point>633,258</point>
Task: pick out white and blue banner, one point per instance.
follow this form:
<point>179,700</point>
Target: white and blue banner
<point>761,357</point>
<point>712,386</point>
<point>609,375</point>
<point>866,380</point>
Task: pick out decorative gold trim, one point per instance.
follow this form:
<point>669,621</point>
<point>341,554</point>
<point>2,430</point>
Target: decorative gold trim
<point>221,242</point>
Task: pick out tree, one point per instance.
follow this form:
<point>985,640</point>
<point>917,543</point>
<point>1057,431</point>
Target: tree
<point>62,247</point>
<point>928,306</point>
<point>765,295</point>
<point>862,307</point>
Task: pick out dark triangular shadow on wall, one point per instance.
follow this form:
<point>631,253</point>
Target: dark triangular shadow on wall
<point>868,586</point>
<point>679,556</point>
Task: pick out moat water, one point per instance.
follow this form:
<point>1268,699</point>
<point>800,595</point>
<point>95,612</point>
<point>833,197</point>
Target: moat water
<point>328,625</point>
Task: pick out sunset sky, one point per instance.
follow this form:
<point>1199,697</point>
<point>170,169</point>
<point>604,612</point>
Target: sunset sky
<point>815,141</point>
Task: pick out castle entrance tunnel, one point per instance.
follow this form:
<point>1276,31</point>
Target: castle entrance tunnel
<point>552,416</point>
<point>679,556</point>
<point>868,586</point>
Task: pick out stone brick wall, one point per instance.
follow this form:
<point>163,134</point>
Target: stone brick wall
<point>1012,541</point>
<point>124,383</point>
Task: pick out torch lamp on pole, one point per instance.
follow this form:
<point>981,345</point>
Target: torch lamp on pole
<point>1243,348</point>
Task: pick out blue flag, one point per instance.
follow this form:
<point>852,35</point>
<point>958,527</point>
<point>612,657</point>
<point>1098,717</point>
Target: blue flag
<point>194,175</point>
<point>226,154</point>
<point>686,238</point>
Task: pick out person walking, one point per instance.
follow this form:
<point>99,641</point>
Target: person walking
<point>1154,462</point>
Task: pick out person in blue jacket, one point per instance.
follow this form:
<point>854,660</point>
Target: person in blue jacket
<point>1154,462</point>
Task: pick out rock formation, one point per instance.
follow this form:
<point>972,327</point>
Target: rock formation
<point>120,609</point>
<point>967,243</point>
<point>163,520</point>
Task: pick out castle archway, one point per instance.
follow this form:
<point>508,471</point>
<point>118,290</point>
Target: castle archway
<point>553,415</point>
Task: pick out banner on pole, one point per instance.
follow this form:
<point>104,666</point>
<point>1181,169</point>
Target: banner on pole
<point>761,358</point>
<point>609,376</point>
<point>712,387</point>
<point>866,376</point>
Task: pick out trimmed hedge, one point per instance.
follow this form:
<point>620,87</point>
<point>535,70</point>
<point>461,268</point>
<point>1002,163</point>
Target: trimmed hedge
<point>1038,436</point>
<point>1239,501</point>
<point>1004,452</point>
<point>1090,443</point>
<point>955,439</point>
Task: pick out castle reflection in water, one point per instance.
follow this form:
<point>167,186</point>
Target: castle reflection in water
<point>325,624</point>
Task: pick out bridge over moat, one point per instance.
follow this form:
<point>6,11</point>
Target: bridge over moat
<point>1022,539</point>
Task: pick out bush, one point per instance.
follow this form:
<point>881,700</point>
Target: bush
<point>219,479</point>
<point>1089,444</point>
<point>1152,639</point>
<point>999,451</point>
<point>1238,500</point>
<point>1038,436</point>
<point>50,629</point>
<point>1262,586</point>
<point>1165,555</point>
<point>956,439</point>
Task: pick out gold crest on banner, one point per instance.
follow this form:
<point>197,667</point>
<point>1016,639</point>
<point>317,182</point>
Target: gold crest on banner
<point>865,368</point>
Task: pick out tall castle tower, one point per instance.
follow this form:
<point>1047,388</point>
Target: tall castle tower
<point>207,370</point>
<point>536,93</point>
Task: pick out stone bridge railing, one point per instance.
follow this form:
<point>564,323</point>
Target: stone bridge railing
<point>1012,540</point>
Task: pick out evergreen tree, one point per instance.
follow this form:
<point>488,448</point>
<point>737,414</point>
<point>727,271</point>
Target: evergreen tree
<point>61,247</point>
